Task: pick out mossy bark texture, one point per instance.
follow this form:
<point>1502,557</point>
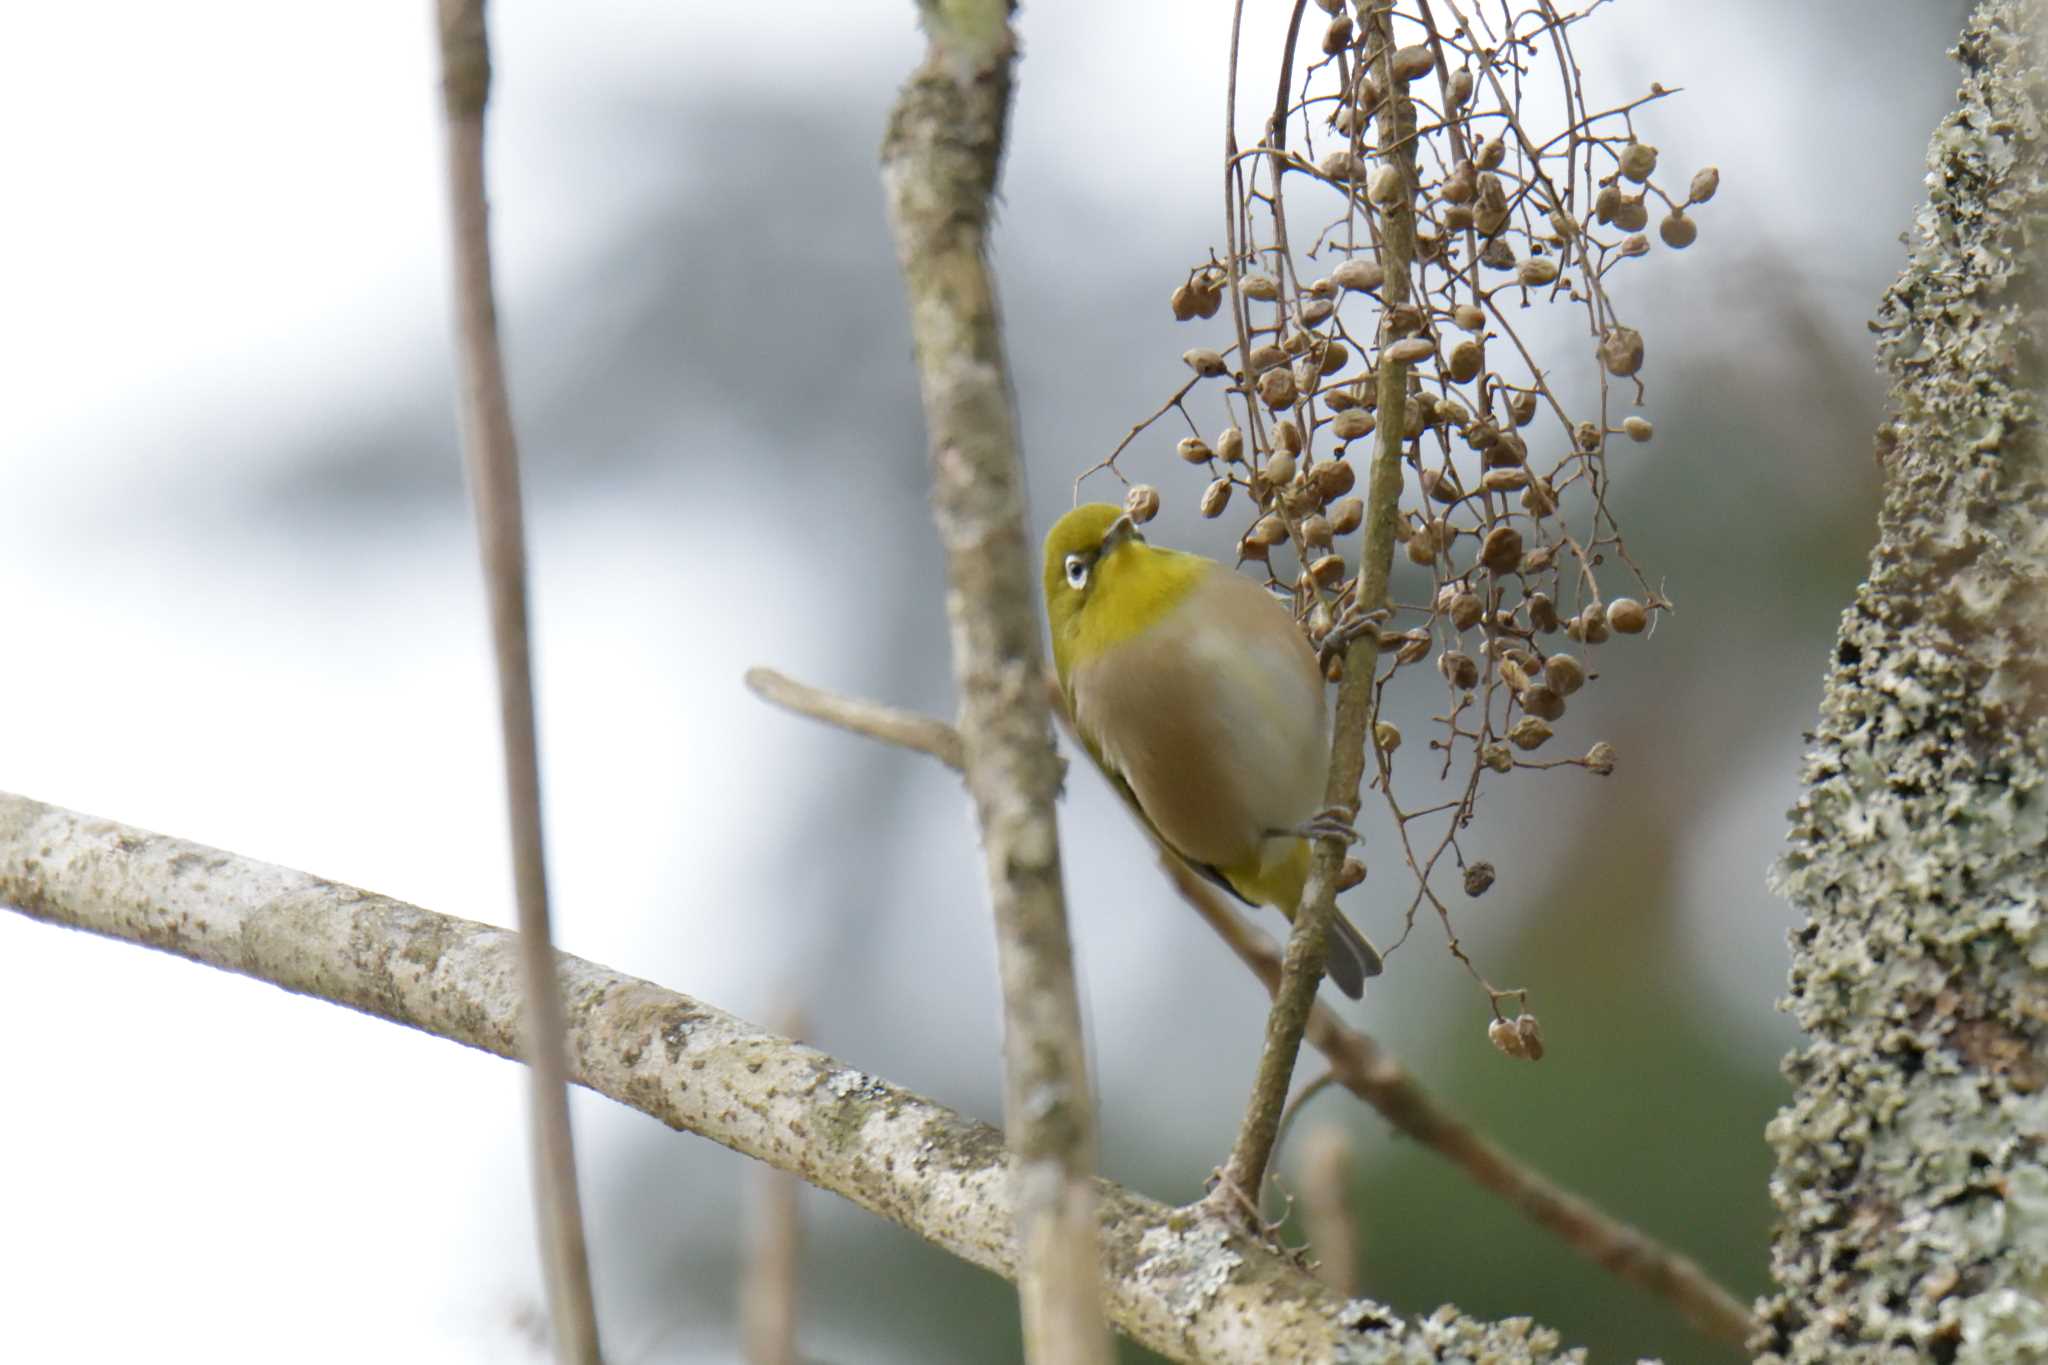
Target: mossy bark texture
<point>1912,1179</point>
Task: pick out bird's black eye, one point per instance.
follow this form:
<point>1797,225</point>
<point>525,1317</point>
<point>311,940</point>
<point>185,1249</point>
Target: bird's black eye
<point>1077,571</point>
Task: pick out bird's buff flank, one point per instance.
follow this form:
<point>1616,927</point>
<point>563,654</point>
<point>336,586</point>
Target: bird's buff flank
<point>1194,691</point>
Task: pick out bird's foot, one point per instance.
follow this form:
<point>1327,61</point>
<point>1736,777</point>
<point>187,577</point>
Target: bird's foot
<point>1352,625</point>
<point>1333,822</point>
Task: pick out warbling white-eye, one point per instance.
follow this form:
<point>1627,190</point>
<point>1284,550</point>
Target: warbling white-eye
<point>1194,690</point>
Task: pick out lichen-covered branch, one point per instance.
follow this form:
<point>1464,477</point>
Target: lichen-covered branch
<point>1357,1061</point>
<point>1186,1287</point>
<point>1912,1179</point>
<point>939,165</point>
<point>491,456</point>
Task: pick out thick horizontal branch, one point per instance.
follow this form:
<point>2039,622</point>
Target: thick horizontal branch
<point>1183,1285</point>
<point>1357,1060</point>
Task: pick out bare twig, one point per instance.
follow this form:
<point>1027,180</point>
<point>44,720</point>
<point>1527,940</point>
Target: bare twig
<point>768,1294</point>
<point>886,723</point>
<point>1368,1071</point>
<point>939,165</point>
<point>1245,1172</point>
<point>1326,1164</point>
<point>1186,1287</point>
<point>492,458</point>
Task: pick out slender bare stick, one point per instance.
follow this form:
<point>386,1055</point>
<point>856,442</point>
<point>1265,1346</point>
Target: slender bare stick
<point>775,1248</point>
<point>1187,1288</point>
<point>939,166</point>
<point>1365,1068</point>
<point>1245,1172</point>
<point>1326,1164</point>
<point>492,459</point>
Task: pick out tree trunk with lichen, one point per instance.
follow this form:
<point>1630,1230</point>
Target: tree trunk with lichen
<point>1912,1178</point>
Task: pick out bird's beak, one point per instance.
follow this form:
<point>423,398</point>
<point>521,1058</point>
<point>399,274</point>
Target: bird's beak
<point>1120,530</point>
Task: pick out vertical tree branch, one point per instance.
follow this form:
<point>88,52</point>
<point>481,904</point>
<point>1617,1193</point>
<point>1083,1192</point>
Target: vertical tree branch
<point>768,1296</point>
<point>1912,1179</point>
<point>939,166</point>
<point>492,459</point>
<point>1302,970</point>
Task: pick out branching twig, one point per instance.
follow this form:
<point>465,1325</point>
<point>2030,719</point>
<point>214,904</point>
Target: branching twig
<point>1185,1287</point>
<point>939,165</point>
<point>1364,1068</point>
<point>492,459</point>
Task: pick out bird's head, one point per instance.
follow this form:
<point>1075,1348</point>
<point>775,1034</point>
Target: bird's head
<point>1104,584</point>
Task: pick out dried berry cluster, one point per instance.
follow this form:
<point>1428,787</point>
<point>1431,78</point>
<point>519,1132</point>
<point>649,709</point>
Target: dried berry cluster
<point>1444,222</point>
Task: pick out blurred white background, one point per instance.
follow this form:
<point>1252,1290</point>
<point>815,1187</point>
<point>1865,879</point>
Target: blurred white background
<point>237,575</point>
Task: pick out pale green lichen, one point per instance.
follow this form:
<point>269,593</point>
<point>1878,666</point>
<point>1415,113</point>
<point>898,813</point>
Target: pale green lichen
<point>1911,1181</point>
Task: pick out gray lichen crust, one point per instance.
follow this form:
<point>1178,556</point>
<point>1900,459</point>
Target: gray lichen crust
<point>1911,1182</point>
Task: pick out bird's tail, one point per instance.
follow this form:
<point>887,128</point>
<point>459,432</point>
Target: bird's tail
<point>1350,958</point>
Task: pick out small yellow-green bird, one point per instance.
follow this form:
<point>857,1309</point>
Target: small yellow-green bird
<point>1194,690</point>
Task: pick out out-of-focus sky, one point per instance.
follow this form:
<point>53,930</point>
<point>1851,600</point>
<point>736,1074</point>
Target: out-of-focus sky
<point>237,567</point>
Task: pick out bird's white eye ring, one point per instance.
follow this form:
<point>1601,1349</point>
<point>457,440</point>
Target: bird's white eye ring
<point>1077,571</point>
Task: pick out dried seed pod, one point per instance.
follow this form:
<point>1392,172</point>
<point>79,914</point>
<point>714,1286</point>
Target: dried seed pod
<point>1497,757</point>
<point>1260,287</point>
<point>1333,479</point>
<point>1298,499</point>
<point>1542,612</point>
<point>1507,450</point>
<point>1564,673</point>
<point>1537,271</point>
<point>1412,63</point>
<point>1388,186</point>
<point>1605,203</point>
<point>1490,208</point>
<point>1460,669</point>
<point>1637,245</point>
<point>1563,226</point>
<point>1460,87</point>
<point>1531,1034</point>
<point>1279,467</point>
<point>1359,274</point>
<point>1352,423</point>
<point>1315,530</point>
<point>1267,530</point>
<point>1316,312</point>
<point>1338,35</point>
<point>1630,215</point>
<point>1205,362</point>
<point>1591,623</point>
<point>1276,388</point>
<point>1450,412</point>
<point>1414,644</point>
<point>1538,559</point>
<point>1184,305</point>
<point>1306,372</point>
<point>1215,498</point>
<point>1333,356</point>
<point>1422,547</point>
<point>1497,254</point>
<point>1441,485</point>
<point>1404,319</point>
<point>1678,230</point>
<point>1267,357</point>
<point>1322,288</point>
<point>1350,875</point>
<point>1507,1040</point>
<point>1386,735</point>
<point>1501,551</point>
<point>1460,185</point>
<point>1540,700</point>
<point>1638,429</point>
<point>1529,733</point>
<point>1492,153</point>
<point>1466,609</point>
<point>1294,343</point>
<point>1327,570</point>
<point>1587,437</point>
<point>1704,183</point>
<point>1539,499</point>
<point>1230,445</point>
<point>1504,480</point>
<point>1638,161</point>
<point>1344,167</point>
<point>1338,398</point>
<point>1142,503</point>
<point>1478,879</point>
<point>1468,317</point>
<point>1621,351</point>
<point>1348,515</point>
<point>1457,217</point>
<point>1195,450</point>
<point>1287,436</point>
<point>1627,615</point>
<point>1600,759</point>
<point>1465,361</point>
<point>1247,548</point>
<point>1410,350</point>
